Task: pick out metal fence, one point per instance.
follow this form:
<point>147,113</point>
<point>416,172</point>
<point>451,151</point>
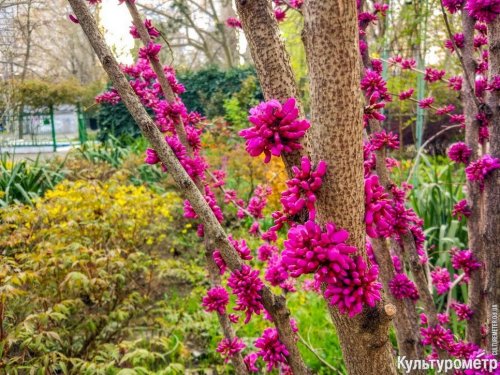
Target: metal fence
<point>45,130</point>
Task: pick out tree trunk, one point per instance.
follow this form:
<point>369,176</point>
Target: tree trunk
<point>331,43</point>
<point>473,192</point>
<point>491,230</point>
<point>270,57</point>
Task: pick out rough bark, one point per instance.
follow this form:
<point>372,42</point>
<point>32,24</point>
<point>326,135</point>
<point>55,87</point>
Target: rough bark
<point>270,57</point>
<point>473,192</point>
<point>406,318</point>
<point>331,42</point>
<point>491,229</point>
<point>275,305</point>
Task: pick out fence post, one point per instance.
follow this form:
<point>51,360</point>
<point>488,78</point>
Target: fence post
<point>82,130</point>
<point>53,128</point>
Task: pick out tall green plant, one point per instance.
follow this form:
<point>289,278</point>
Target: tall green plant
<point>440,188</point>
<point>21,181</point>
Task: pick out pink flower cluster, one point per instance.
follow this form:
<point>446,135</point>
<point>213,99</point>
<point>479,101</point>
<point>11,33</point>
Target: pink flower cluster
<point>216,300</point>
<point>478,170</point>
<point>459,152</point>
<point>358,288</point>
<point>483,10</point>
<point>384,139</point>
<point>453,6</point>
<point>379,217</point>
<point>437,336</point>
<point>308,249</point>
<point>271,349</point>
<point>276,129</point>
<point>246,285</point>
<point>461,210</point>
<point>302,188</point>
<point>241,247</point>
<point>350,283</point>
<point>441,280</point>
<point>150,51</point>
<point>402,287</point>
<point>464,260</point>
<point>152,31</point>
<point>463,311</point>
<point>229,348</point>
<point>233,22</point>
<point>258,201</point>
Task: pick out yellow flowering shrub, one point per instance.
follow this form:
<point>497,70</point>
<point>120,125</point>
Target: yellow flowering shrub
<point>99,277</point>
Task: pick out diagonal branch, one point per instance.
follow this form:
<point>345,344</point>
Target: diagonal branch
<point>275,305</point>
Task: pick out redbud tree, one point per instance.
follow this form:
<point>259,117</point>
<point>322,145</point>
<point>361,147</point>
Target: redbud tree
<point>349,233</point>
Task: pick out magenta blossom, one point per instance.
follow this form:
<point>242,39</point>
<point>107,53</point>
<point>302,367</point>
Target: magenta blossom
<point>494,84</point>
<point>461,210</point>
<point>110,97</point>
<point>152,31</point>
<point>280,14</point>
<point>455,83</point>
<point>408,64</point>
<point>250,361</point>
<point>426,103</point>
<point>378,211</point>
<point>219,261</point>
<point>402,287</point>
<point>403,95</point>
<point>459,152</point>
<point>150,51</point>
<point>433,75</point>
<point>73,18</point>
<point>272,350</point>
<point>443,318</point>
<point>241,247</point>
<point>276,272</point>
<point>483,10</point>
<point>229,348</point>
<point>384,139</point>
<point>356,289</point>
<point>478,170</point>
<point>151,157</point>
<point>463,311</point>
<point>464,260</point>
<point>441,280</point>
<point>302,187</point>
<point>216,300</point>
<point>453,6</point>
<point>373,82</point>
<point>246,285</point>
<point>276,129</point>
<point>458,41</point>
<point>233,22</point>
<point>445,109</point>
<point>308,247</point>
<point>438,337</point>
<point>371,111</point>
<point>265,252</point>
<point>258,201</point>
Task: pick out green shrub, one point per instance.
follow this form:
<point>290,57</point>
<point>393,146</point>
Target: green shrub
<point>209,88</point>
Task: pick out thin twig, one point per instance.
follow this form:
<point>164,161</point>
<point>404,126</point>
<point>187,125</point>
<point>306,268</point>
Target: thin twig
<point>421,149</point>
<point>316,354</point>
